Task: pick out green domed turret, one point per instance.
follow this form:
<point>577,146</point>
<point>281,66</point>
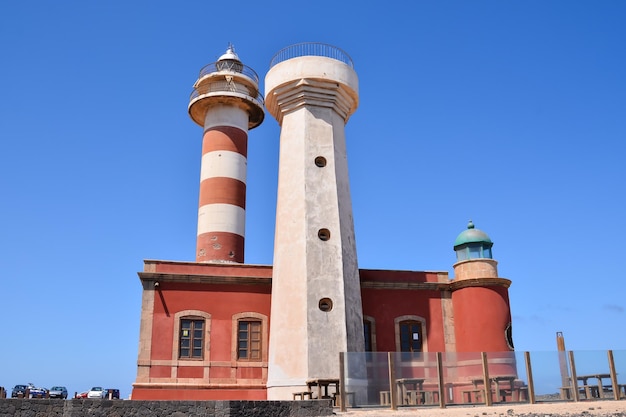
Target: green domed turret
<point>472,244</point>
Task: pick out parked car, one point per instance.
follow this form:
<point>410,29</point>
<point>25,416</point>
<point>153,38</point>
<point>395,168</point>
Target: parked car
<point>58,392</point>
<point>82,394</point>
<point>37,392</point>
<point>112,393</point>
<point>19,389</point>
<point>95,392</point>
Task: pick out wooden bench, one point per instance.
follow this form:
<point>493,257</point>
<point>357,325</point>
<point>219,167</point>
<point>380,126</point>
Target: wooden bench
<point>302,395</point>
<point>431,396</point>
<point>412,397</point>
<point>566,393</point>
<point>350,399</point>
<point>478,393</point>
<point>522,393</point>
<point>589,391</point>
<point>385,398</point>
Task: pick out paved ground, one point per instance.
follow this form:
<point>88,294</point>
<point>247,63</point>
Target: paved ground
<point>591,408</point>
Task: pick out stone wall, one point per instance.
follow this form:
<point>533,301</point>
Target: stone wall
<point>120,408</point>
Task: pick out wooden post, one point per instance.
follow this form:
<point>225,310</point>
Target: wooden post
<point>442,401</point>
<point>393,392</point>
<point>616,391</point>
<point>529,375</point>
<point>561,351</point>
<point>487,380</point>
<point>574,382</point>
<point>342,382</point>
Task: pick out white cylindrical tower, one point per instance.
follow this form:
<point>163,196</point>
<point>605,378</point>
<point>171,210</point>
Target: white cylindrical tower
<point>226,102</point>
<point>311,90</point>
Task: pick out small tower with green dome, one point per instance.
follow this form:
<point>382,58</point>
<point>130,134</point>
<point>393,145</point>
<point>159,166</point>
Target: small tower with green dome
<point>474,257</point>
<point>472,244</point>
<point>482,314</point>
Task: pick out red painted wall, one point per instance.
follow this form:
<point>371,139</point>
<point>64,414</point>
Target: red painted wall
<point>481,315</point>
<point>384,305</point>
<point>222,301</point>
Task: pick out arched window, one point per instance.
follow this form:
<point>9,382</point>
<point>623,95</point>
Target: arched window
<point>249,340</point>
<point>369,333</point>
<point>191,338</point>
<point>250,337</point>
<point>191,335</point>
<point>411,337</point>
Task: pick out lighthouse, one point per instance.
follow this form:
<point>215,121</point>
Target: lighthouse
<point>312,90</point>
<point>226,102</point>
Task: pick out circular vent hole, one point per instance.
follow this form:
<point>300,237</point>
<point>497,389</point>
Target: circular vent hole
<point>325,304</point>
<point>320,161</point>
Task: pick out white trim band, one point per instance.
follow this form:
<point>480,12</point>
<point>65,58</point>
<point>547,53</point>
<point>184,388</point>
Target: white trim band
<point>226,115</point>
<point>221,218</point>
<point>227,164</point>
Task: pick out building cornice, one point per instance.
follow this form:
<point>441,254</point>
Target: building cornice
<point>247,280</point>
<point>480,282</point>
<point>438,286</point>
<point>203,279</point>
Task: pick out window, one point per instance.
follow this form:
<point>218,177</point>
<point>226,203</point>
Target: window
<point>367,333</point>
<point>191,338</point>
<point>410,338</point>
<point>249,340</point>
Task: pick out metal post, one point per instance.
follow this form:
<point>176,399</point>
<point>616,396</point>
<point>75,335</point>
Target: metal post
<point>560,345</point>
<point>574,381</point>
<point>442,402</point>
<point>342,382</point>
<point>529,375</point>
<point>616,391</point>
<point>393,392</point>
<point>487,380</point>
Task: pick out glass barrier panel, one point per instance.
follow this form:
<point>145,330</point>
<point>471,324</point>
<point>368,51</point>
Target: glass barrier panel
<point>619,360</point>
<point>551,376</point>
<point>367,376</point>
<point>416,382</point>
<point>593,375</point>
<point>461,374</point>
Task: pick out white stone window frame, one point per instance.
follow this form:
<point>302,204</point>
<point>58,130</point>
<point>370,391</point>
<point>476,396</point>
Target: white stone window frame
<point>422,321</point>
<point>264,336</point>
<point>207,337</point>
<point>372,322</point>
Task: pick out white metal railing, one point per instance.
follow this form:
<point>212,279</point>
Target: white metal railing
<point>311,49</point>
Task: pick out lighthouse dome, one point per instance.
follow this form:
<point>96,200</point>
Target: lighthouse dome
<point>472,235</point>
<point>472,243</point>
<point>229,55</point>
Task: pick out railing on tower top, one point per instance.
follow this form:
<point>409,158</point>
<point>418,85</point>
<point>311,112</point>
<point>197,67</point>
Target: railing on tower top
<point>311,49</point>
<point>224,66</point>
<point>228,88</point>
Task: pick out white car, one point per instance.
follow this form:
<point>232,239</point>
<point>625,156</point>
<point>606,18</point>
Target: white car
<point>95,392</point>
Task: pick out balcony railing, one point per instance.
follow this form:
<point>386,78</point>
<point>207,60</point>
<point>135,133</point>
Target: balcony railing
<point>226,88</point>
<point>311,49</point>
<point>229,66</point>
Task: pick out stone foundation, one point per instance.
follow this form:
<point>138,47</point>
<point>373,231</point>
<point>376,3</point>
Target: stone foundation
<point>121,408</point>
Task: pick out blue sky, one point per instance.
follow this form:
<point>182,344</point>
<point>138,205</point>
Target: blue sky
<point>508,113</point>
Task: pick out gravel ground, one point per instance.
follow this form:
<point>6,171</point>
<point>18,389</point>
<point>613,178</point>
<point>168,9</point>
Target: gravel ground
<point>569,409</point>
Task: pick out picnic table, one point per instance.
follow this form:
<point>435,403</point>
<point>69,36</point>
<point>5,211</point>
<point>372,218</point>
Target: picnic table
<point>323,385</point>
<point>500,389</point>
<point>593,391</point>
<point>408,395</point>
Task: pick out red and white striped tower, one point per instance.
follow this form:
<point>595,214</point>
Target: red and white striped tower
<point>226,102</point>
